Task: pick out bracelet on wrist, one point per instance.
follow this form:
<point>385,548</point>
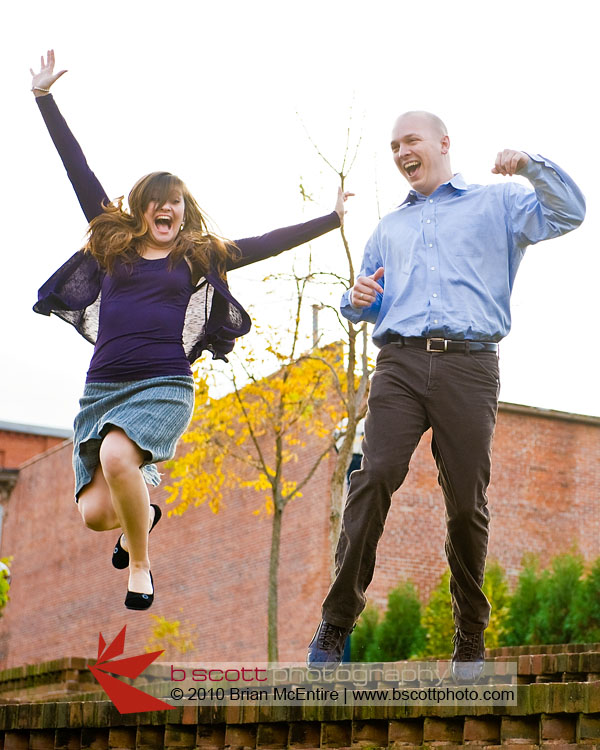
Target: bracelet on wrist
<point>39,88</point>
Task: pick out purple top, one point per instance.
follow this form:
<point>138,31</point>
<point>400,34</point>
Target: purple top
<point>212,317</point>
<point>141,320</point>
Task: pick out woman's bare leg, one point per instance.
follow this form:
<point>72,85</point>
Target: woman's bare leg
<point>121,459</point>
<point>97,509</point>
<point>96,506</point>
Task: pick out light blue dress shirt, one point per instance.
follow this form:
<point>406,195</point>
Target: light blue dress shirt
<point>450,258</point>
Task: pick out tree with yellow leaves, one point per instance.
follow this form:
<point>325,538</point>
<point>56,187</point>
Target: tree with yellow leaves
<point>250,437</point>
<point>320,394</point>
<point>4,581</point>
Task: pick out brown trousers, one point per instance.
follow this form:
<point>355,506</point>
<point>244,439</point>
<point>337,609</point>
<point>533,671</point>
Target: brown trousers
<point>411,390</point>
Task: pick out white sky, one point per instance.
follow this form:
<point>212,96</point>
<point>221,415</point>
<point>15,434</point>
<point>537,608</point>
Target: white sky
<point>210,90</point>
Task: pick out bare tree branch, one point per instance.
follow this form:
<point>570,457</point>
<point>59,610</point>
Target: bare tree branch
<point>310,473</point>
<point>317,149</point>
<point>336,380</point>
<point>251,431</point>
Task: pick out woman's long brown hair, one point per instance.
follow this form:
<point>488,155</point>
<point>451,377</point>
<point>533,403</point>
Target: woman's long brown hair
<point>117,233</point>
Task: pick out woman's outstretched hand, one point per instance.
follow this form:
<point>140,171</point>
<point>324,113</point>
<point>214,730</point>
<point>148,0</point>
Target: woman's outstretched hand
<point>42,81</point>
<point>339,204</point>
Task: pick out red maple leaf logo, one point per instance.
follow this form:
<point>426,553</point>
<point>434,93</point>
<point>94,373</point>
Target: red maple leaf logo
<point>126,698</point>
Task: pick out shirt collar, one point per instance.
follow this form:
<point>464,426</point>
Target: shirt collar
<point>456,182</point>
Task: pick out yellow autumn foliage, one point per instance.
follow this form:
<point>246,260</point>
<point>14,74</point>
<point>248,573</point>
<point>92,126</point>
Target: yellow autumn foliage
<point>250,437</point>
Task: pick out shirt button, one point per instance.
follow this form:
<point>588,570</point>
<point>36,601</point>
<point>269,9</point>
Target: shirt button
<point>434,295</point>
<point>431,244</point>
<point>431,200</point>
<point>435,321</point>
<point>429,221</point>
<point>433,268</point>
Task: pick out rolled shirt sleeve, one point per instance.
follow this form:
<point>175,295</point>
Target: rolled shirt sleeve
<point>451,258</point>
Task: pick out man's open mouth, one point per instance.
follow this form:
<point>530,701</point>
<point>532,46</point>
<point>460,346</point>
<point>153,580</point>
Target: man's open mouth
<point>411,167</point>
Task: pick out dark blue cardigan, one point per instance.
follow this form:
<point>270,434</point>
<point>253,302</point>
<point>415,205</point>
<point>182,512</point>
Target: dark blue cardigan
<point>73,292</point>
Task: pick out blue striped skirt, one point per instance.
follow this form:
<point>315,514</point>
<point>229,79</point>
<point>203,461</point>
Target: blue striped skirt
<point>154,413</point>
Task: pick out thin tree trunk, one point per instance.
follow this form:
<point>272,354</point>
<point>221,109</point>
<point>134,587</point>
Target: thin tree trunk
<point>273,607</point>
<point>356,400</point>
<point>336,490</point>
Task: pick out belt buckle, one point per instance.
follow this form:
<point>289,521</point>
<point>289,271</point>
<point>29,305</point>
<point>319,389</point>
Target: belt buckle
<point>444,341</point>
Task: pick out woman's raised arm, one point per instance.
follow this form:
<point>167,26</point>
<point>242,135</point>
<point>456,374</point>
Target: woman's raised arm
<point>89,191</point>
<point>277,241</point>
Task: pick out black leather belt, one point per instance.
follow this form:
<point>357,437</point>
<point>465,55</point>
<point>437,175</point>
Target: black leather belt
<point>442,345</point>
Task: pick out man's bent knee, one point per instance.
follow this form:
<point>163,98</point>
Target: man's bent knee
<point>376,472</point>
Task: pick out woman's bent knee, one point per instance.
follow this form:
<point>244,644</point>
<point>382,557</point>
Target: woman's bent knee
<point>119,455</point>
<point>97,514</point>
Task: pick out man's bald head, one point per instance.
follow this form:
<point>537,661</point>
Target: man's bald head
<point>420,147</point>
<point>433,121</point>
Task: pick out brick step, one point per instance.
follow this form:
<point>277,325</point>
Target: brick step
<point>48,681</point>
<point>555,667</point>
<point>554,662</point>
<point>547,717</point>
<point>548,648</point>
<point>70,678</point>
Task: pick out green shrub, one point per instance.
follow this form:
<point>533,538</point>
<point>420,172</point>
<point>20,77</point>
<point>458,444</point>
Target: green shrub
<point>495,587</point>
<point>364,633</point>
<point>400,634</point>
<point>558,587</point>
<point>438,621</point>
<point>524,605</point>
<point>556,605</point>
<point>584,618</point>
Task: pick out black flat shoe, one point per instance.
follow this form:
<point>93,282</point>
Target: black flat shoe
<point>135,600</point>
<point>120,556</point>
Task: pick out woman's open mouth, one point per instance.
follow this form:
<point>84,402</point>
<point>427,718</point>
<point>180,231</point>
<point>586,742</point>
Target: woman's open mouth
<point>163,224</point>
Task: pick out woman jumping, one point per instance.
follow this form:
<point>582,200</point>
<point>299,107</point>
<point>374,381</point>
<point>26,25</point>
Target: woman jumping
<point>149,290</point>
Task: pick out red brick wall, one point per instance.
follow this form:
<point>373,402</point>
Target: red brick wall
<point>211,570</point>
<point>18,447</point>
